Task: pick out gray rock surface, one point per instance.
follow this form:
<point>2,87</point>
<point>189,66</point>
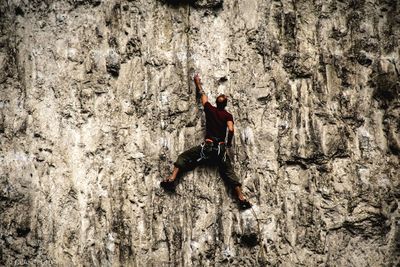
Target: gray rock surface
<point>97,101</point>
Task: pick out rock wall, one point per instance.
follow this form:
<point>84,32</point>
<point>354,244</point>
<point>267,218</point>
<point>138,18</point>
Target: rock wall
<point>97,101</point>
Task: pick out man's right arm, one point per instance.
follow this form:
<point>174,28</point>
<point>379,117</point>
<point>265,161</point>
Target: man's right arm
<point>231,131</point>
<point>197,82</point>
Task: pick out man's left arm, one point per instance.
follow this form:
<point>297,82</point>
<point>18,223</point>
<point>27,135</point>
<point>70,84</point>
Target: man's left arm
<point>203,96</point>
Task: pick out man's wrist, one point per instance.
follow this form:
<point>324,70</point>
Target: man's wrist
<point>199,89</point>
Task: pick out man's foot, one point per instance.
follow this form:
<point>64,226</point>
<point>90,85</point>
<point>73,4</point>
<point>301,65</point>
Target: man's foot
<point>244,204</point>
<point>168,184</point>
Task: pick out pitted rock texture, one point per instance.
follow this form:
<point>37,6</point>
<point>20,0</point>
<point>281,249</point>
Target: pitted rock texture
<point>97,101</point>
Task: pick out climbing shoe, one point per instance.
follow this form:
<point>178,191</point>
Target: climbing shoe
<point>168,186</point>
<point>244,204</point>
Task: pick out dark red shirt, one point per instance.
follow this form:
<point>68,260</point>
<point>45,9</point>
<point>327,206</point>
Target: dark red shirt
<point>216,120</point>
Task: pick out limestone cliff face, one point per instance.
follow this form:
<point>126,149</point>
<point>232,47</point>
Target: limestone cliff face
<point>97,101</point>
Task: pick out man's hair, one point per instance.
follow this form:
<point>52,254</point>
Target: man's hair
<point>221,101</point>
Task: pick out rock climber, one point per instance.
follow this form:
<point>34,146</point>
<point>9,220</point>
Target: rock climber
<point>213,149</point>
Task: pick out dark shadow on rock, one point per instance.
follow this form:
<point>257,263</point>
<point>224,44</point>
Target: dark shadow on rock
<point>23,231</point>
<point>386,89</point>
<point>178,3</point>
<point>113,64</point>
<point>387,94</point>
<point>249,240</point>
<point>93,3</point>
<point>375,225</point>
<point>19,11</point>
<point>213,4</point>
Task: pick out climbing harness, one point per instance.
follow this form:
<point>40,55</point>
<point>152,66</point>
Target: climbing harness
<point>214,147</point>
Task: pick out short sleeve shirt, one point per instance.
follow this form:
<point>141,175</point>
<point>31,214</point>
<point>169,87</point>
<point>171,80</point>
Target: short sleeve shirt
<point>216,121</point>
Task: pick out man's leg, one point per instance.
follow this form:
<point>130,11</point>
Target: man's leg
<point>239,193</point>
<point>228,174</point>
<point>186,161</point>
<point>173,175</point>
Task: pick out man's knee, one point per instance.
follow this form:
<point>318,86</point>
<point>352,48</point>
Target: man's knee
<point>230,177</point>
<point>180,162</point>
<point>187,160</point>
<point>234,182</point>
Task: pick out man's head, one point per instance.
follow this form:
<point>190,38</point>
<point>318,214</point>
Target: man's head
<point>221,101</point>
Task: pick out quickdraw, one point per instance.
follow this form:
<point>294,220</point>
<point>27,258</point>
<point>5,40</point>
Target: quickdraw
<point>202,155</point>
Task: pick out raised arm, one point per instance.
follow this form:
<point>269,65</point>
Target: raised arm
<point>231,131</point>
<point>197,82</point>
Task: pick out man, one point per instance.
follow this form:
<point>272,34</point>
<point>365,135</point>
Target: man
<point>212,150</point>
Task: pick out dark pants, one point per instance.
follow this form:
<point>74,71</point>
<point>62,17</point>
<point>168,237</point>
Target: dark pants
<point>210,154</point>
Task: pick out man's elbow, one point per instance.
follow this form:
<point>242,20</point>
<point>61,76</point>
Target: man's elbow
<point>204,99</point>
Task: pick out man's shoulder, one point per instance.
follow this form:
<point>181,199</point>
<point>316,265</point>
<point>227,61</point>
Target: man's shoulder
<point>208,105</point>
<point>227,112</point>
<point>228,115</point>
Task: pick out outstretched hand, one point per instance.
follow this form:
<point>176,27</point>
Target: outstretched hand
<point>197,82</point>
<point>196,78</point>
